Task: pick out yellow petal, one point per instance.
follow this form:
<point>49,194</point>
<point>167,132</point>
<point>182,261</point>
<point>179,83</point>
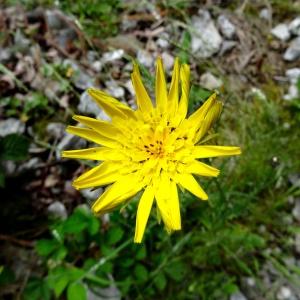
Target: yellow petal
<point>211,117</point>
<point>168,204</point>
<point>173,96</point>
<point>213,151</point>
<point>201,112</point>
<point>185,90</point>
<point>143,213</point>
<point>199,168</point>
<point>110,105</point>
<point>92,135</point>
<point>99,153</point>
<point>160,87</point>
<point>105,173</point>
<point>104,128</point>
<point>126,187</point>
<point>188,182</point>
<point>143,100</point>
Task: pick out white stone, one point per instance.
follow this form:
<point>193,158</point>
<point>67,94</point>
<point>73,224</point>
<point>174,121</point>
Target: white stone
<point>293,75</point>
<point>206,39</point>
<point>281,31</point>
<point>87,105</point>
<point>129,87</point>
<point>294,26</point>
<point>292,93</point>
<point>114,89</point>
<point>90,194</point>
<point>284,293</point>
<point>238,296</point>
<point>226,27</point>
<point>97,65</point>
<point>168,60</point>
<point>145,58</point>
<point>296,210</point>
<point>55,130</point>
<point>10,126</point>
<point>293,51</point>
<point>57,210</point>
<point>265,14</point>
<point>297,243</point>
<point>227,46</point>
<point>112,55</point>
<point>210,82</point>
<point>163,40</point>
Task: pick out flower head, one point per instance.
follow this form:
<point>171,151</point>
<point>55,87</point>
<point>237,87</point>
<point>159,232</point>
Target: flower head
<point>154,148</point>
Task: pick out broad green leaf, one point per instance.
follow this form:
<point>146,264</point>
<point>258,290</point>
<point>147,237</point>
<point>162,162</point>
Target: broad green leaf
<point>76,291</point>
<point>114,235</point>
<point>14,147</point>
<point>176,270</point>
<point>160,281</point>
<point>45,247</point>
<point>37,289</point>
<point>140,273</point>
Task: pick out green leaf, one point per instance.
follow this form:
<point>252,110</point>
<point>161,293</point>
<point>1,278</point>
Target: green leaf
<point>37,289</point>
<point>176,270</point>
<point>160,281</point>
<point>58,280</point>
<point>7,276</point>
<point>141,253</point>
<point>140,273</point>
<point>45,247</point>
<point>114,235</point>
<point>14,147</point>
<point>76,291</point>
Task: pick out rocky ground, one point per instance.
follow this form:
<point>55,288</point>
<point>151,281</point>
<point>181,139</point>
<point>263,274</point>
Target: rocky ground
<point>47,62</point>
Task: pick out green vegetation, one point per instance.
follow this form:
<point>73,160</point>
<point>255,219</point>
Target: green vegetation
<point>224,240</point>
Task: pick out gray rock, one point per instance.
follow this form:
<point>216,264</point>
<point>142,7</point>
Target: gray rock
<point>293,51</point>
<point>206,39</point>
<point>97,65</point>
<point>238,296</point>
<point>293,75</point>
<point>128,24</point>
<point>57,210</point>
<point>21,43</point>
<point>210,82</point>
<point>168,60</point>
<point>114,89</point>
<point>265,14</point>
<point>129,87</point>
<point>281,32</point>
<point>5,55</point>
<point>83,81</point>
<point>80,79</point>
<point>292,93</point>
<point>297,243</point>
<point>54,19</point>
<point>112,55</point>
<point>55,130</point>
<point>111,293</point>
<point>91,195</point>
<point>294,26</point>
<point>88,106</point>
<point>69,142</point>
<point>10,126</point>
<point>227,46</point>
<point>296,210</point>
<point>162,41</point>
<point>294,179</point>
<point>226,27</point>
<point>145,58</point>
<point>66,36</point>
<point>285,293</point>
<point>30,164</point>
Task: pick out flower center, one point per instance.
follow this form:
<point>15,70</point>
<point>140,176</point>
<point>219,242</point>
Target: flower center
<point>155,149</point>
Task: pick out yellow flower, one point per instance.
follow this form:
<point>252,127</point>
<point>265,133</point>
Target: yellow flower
<point>154,148</point>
